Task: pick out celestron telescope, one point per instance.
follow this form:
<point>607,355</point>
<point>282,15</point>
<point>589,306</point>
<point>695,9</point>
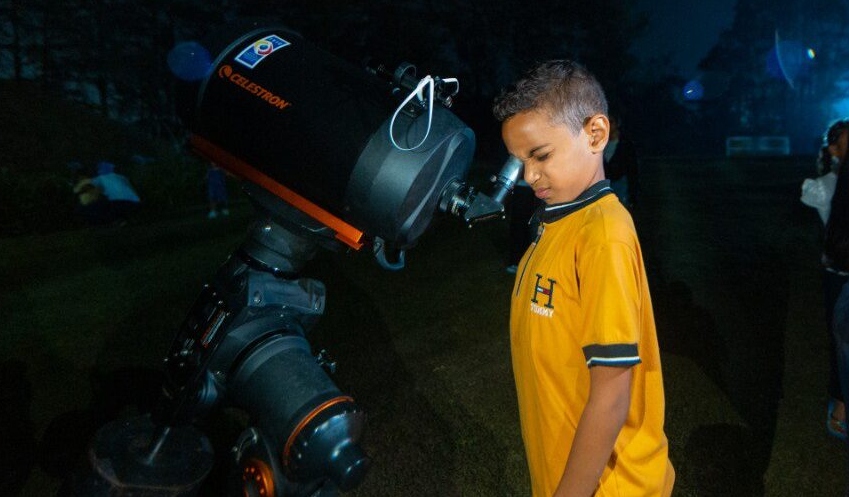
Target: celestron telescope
<point>332,156</point>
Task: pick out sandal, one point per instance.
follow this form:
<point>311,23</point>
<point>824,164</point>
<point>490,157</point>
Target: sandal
<point>835,427</point>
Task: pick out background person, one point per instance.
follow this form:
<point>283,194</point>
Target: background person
<point>836,254</point>
<point>91,205</point>
<point>582,336</point>
<point>819,193</point>
<point>216,191</point>
<point>122,197</point>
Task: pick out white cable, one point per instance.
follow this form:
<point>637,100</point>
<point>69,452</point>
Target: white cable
<point>418,91</point>
<point>430,83</point>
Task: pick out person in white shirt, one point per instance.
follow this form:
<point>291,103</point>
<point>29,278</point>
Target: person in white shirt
<point>123,198</point>
<point>818,193</point>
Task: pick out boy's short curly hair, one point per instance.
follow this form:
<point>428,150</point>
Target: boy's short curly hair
<point>564,89</point>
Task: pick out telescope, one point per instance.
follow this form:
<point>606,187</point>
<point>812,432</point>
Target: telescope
<point>332,156</point>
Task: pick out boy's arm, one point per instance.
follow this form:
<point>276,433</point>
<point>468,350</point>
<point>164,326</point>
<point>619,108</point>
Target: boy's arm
<point>601,421</point>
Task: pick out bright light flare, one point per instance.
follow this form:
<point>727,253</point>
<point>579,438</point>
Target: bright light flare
<point>693,90</point>
<point>789,60</point>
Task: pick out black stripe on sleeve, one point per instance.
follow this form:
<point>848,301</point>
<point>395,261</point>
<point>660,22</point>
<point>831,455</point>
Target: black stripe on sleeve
<point>617,354</point>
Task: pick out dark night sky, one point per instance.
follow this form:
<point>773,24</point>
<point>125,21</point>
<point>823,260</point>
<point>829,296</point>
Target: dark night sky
<point>686,29</point>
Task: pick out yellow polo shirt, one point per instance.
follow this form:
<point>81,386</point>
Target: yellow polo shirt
<point>581,299</point>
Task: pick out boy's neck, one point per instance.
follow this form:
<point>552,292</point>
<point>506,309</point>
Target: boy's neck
<point>554,212</point>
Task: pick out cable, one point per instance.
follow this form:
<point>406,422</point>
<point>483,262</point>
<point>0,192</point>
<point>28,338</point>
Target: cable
<point>418,91</point>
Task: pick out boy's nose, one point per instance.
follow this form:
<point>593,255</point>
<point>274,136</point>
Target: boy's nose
<point>530,175</point>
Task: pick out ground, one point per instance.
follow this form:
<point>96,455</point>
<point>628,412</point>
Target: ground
<point>732,259</point>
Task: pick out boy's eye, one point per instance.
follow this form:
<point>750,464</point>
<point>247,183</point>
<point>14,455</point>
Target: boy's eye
<point>543,157</point>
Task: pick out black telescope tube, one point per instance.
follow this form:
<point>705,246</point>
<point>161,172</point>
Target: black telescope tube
<point>323,135</point>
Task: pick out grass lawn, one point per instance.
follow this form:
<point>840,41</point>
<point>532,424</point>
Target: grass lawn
<point>86,317</point>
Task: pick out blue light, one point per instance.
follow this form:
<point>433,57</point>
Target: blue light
<point>812,54</point>
<point>189,61</point>
<point>840,107</point>
<point>693,90</point>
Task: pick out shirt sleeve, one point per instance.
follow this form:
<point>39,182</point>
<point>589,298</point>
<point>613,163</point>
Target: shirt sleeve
<point>609,281</point>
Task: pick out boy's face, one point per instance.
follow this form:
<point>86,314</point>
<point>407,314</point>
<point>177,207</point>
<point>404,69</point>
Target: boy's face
<point>558,165</point>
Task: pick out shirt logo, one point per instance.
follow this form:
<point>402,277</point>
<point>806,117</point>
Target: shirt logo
<point>542,301</point>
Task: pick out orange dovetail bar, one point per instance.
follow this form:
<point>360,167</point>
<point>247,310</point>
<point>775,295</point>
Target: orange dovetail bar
<point>346,233</point>
<point>309,417</point>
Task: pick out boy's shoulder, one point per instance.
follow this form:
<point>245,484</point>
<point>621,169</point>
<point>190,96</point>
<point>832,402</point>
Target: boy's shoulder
<point>606,221</point>
<point>607,208</point>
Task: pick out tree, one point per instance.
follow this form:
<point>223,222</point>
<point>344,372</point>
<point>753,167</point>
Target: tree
<point>111,54</point>
<point>769,92</point>
<point>21,34</point>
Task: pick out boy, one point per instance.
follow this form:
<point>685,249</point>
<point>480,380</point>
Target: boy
<point>583,340</point>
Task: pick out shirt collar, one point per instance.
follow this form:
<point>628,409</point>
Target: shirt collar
<point>551,213</point>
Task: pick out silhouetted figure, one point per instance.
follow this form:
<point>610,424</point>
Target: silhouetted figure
<point>216,192</point>
<point>836,258</point>
<point>819,193</point>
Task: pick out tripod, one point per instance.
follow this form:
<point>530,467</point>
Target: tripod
<point>244,343</point>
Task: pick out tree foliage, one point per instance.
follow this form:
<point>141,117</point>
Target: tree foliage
<point>110,54</point>
<point>765,93</point>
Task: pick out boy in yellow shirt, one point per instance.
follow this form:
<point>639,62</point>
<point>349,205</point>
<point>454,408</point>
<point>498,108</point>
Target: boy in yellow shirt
<point>583,341</point>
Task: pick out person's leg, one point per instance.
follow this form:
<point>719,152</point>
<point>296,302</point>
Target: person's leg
<point>217,194</point>
<point>841,338</point>
<point>832,287</point>
<point>223,206</point>
<point>100,212</point>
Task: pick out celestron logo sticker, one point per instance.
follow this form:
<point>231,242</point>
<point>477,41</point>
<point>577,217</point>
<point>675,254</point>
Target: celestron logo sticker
<point>227,72</point>
<point>254,53</point>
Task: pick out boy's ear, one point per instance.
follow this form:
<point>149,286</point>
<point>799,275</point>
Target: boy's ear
<point>597,128</point>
